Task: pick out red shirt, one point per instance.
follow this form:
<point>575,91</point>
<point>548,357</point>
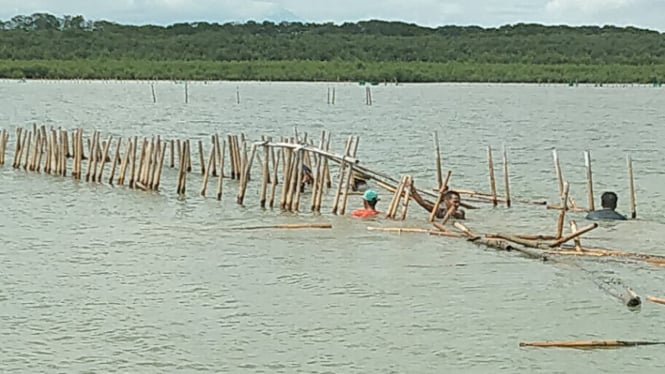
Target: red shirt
<point>364,213</point>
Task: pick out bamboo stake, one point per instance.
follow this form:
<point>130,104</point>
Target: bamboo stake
<point>298,185</point>
<point>91,152</point>
<point>349,176</point>
<point>577,241</point>
<point>160,168</point>
<point>589,180</point>
<point>437,157</point>
<point>27,151</point>
<point>247,170</point>
<point>171,153</point>
<point>201,157</point>
<point>394,203</point>
<point>439,199</point>
<point>407,198</point>
<point>265,174</point>
<point>490,164</point>
<point>213,171</point>
<point>506,178</point>
<point>232,160</point>
<point>275,172</point>
<point>2,146</point>
<point>116,157</point>
<point>125,161</point>
<point>342,170</point>
<point>286,176</point>
<point>557,167</point>
<point>154,161</point>
<point>293,177</point>
<point>132,170</point>
<point>562,212</point>
<point>105,153</point>
<point>207,170</point>
<point>220,155</point>
<point>317,170</point>
<point>631,185</point>
<point>221,171</point>
<point>35,148</point>
<point>17,151</point>
<point>63,153</point>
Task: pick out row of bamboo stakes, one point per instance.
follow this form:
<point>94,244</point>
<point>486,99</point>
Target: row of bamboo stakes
<point>143,159</point>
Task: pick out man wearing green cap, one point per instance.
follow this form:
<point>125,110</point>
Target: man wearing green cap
<point>370,198</point>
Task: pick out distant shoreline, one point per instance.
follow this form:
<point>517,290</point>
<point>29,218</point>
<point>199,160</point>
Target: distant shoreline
<point>363,72</point>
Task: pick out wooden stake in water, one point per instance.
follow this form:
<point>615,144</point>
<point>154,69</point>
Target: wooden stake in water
<point>201,158</point>
<point>631,185</point>
<point>490,164</point>
<point>152,88</point>
<point>206,174</point>
<point>437,158</point>
<point>221,168</point>
<point>265,174</point>
<point>132,157</point>
<point>275,174</point>
<point>237,95</point>
<point>342,170</point>
<point>116,159</point>
<point>125,161</point>
<point>557,167</point>
<point>589,180</point>
<point>562,211</point>
<point>347,184</point>
<point>186,93</point>
<point>407,197</point>
<point>506,179</point>
<point>105,153</point>
<point>171,153</point>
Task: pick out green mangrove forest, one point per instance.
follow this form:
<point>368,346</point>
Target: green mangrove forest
<point>44,46</point>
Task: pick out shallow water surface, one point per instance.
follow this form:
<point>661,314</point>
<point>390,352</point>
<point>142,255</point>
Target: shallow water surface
<point>100,278</point>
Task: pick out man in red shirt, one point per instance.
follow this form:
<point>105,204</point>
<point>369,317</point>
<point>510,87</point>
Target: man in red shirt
<point>370,198</point>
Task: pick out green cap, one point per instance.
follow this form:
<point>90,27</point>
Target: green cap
<point>370,195</point>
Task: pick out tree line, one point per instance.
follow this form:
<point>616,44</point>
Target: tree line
<point>42,45</point>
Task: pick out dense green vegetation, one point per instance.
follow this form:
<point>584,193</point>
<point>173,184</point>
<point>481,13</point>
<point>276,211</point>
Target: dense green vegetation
<point>45,46</point>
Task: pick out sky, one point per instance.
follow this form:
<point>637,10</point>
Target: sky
<point>433,13</point>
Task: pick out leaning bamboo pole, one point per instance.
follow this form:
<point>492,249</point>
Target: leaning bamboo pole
<point>347,183</point>
<point>562,211</point>
<point>116,158</point>
<point>221,170</point>
<point>342,169</point>
<point>208,169</point>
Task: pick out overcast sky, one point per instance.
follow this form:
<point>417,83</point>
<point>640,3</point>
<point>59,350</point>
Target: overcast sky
<point>486,13</point>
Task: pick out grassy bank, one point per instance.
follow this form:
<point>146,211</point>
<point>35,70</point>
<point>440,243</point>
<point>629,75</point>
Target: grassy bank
<point>302,70</point>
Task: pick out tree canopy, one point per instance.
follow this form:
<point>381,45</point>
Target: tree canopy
<point>45,37</point>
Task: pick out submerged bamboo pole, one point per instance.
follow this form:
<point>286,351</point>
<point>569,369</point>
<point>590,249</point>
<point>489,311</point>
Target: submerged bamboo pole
<point>574,234</point>
<point>416,230</point>
<point>287,226</point>
<point>588,344</point>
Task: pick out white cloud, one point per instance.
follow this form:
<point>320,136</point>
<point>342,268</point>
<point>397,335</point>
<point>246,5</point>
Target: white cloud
<point>486,13</point>
<point>586,6</point>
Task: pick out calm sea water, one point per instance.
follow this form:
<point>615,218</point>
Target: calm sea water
<point>106,279</point>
